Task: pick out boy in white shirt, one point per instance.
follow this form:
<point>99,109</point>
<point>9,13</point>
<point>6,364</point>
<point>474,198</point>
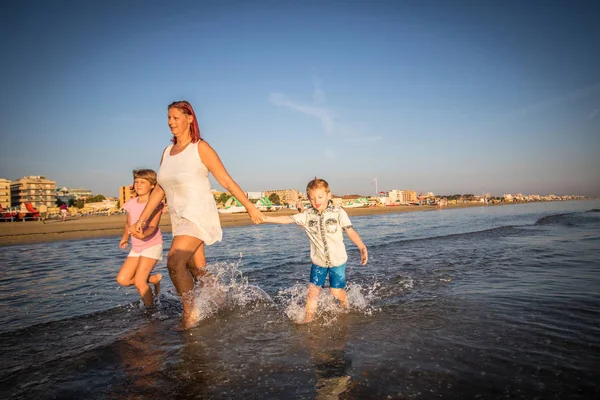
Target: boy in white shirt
<point>323,224</point>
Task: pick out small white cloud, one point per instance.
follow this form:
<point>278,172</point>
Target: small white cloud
<point>318,94</point>
<point>324,114</point>
<point>559,100</point>
<point>330,154</point>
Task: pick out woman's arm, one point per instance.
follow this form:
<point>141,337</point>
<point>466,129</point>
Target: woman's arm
<point>155,198</point>
<point>211,159</point>
<point>364,254</point>
<point>152,225</point>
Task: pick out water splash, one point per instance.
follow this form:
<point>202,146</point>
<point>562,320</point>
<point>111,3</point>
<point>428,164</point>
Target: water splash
<point>226,287</point>
<point>293,301</point>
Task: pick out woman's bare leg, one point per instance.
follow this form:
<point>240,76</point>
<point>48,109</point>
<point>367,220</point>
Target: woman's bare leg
<point>182,250</point>
<point>197,264</point>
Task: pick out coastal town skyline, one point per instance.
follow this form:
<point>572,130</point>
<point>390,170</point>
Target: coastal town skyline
<point>80,191</point>
<point>497,98</point>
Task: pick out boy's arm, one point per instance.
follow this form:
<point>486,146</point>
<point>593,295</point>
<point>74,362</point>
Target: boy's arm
<point>283,219</point>
<point>125,237</point>
<point>364,254</point>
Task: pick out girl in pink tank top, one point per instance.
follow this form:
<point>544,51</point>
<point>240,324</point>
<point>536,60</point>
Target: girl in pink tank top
<point>147,245</point>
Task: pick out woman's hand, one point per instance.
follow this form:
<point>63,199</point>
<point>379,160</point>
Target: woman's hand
<point>137,228</point>
<point>256,216</point>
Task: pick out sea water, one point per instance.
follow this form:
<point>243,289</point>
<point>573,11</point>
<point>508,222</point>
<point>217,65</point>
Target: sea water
<point>483,302</point>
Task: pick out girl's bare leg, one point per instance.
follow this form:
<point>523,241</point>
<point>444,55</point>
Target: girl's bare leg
<point>127,272</point>
<point>155,280</point>
<point>182,250</point>
<point>311,303</point>
<point>141,278</point>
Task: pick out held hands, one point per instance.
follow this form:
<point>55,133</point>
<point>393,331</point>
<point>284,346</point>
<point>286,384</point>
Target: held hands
<point>364,256</point>
<point>137,228</point>
<point>256,216</point>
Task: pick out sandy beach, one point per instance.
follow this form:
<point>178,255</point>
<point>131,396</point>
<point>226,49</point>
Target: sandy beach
<point>12,233</point>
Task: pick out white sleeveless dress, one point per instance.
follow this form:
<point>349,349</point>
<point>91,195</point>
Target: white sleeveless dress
<point>192,207</point>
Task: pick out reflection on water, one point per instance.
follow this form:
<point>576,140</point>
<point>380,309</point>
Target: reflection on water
<point>501,302</point>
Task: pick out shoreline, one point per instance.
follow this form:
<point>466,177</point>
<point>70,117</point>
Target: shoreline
<point>77,228</point>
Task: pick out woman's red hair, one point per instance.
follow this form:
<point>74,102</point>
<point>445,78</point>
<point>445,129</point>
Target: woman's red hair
<point>187,109</point>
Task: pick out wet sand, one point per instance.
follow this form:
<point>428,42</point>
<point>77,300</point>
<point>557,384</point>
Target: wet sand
<point>27,232</point>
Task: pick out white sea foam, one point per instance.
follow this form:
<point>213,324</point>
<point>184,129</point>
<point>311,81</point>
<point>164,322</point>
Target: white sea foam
<point>226,287</point>
<point>293,301</point>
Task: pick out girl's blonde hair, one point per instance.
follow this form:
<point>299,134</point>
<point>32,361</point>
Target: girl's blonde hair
<point>147,174</point>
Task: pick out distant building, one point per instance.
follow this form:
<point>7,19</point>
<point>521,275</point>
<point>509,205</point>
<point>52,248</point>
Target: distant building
<point>402,196</point>
<point>289,196</point>
<point>5,193</point>
<point>65,194</point>
<point>125,194</point>
<point>80,193</point>
<point>36,190</point>
<point>106,204</point>
<point>254,195</point>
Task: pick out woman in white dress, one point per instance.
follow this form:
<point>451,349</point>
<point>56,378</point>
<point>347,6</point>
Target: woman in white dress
<point>183,178</point>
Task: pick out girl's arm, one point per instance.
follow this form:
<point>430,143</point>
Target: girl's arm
<point>211,159</point>
<point>156,197</point>
<point>125,238</point>
<point>282,219</point>
<point>152,225</point>
<point>364,254</point>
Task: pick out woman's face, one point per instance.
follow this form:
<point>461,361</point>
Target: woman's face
<point>179,122</point>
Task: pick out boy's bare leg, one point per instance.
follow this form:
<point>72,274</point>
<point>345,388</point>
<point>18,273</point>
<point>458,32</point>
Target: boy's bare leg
<point>312,298</point>
<point>155,280</point>
<point>340,295</point>
<point>182,250</point>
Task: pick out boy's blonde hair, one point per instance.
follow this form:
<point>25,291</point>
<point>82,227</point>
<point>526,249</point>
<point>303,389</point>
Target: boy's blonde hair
<point>317,184</point>
<point>147,174</point>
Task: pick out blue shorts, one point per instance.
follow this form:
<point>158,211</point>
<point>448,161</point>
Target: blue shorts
<point>337,276</point>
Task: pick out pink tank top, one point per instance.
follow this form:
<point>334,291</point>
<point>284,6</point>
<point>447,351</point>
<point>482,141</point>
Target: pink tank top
<point>134,210</point>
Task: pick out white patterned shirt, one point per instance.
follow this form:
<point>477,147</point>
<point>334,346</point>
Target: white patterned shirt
<point>324,231</point>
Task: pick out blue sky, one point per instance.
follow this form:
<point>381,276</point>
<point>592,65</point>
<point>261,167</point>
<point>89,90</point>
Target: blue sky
<point>448,97</point>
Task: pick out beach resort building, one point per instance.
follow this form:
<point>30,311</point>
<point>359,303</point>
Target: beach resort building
<point>65,194</point>
<point>126,193</point>
<point>289,196</point>
<point>402,196</point>
<point>80,193</point>
<point>5,193</point>
<point>36,190</point>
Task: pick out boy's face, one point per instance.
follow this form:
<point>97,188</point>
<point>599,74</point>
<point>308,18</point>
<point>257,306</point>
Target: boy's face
<point>319,198</point>
<point>142,186</point>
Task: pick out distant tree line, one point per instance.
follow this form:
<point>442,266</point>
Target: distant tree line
<point>80,203</point>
